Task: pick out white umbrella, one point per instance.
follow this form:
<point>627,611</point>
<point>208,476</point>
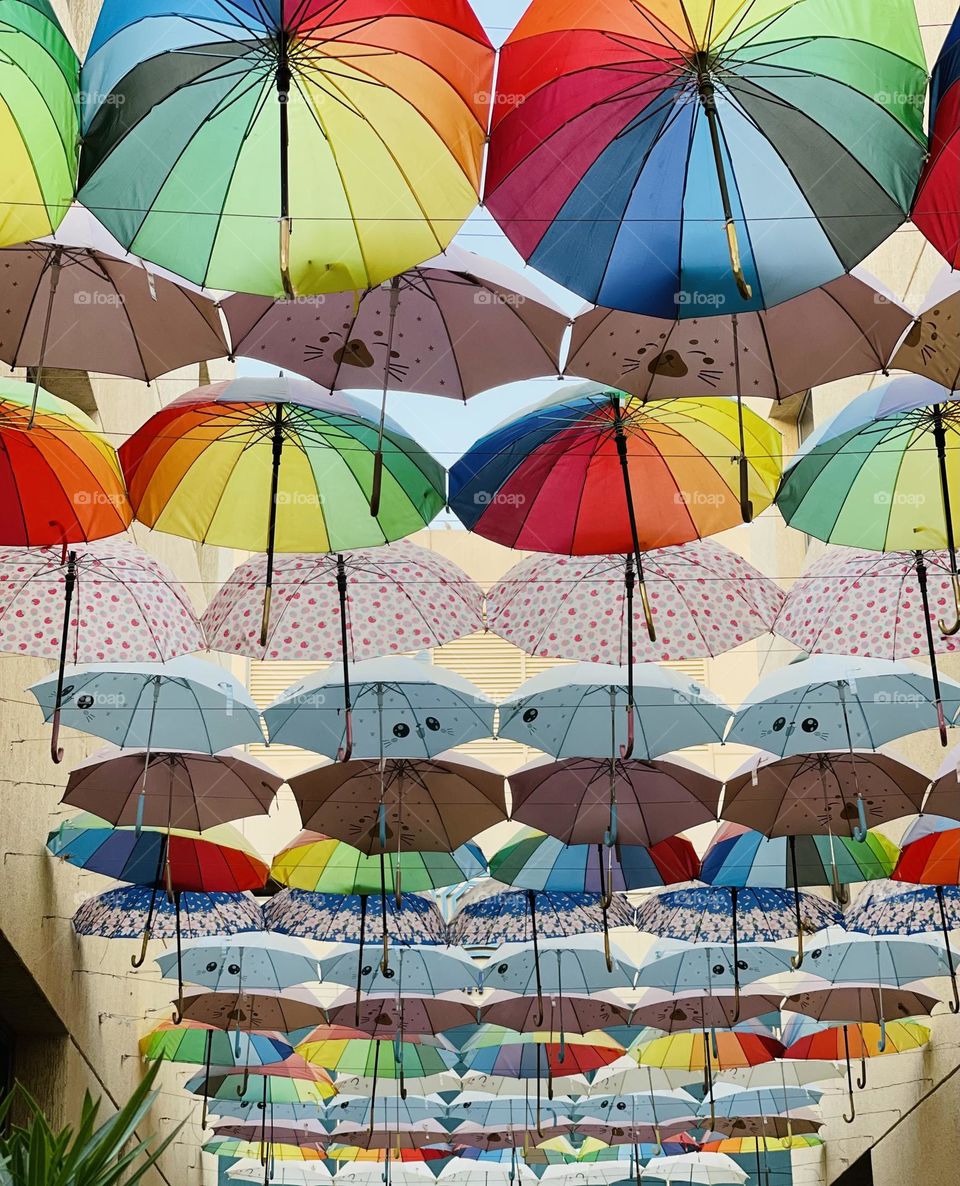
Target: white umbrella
<point>708,1169</point>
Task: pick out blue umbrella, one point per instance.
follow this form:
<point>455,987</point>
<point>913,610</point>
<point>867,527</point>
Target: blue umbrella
<point>243,963</point>
<point>415,972</point>
<point>183,704</point>
<point>517,916</point>
<point>388,1112</point>
<point>341,918</point>
<point>704,914</point>
<point>400,708</point>
<point>476,1109</point>
<point>758,1101</point>
<point>130,911</point>
<point>680,967</point>
<point>631,1111</point>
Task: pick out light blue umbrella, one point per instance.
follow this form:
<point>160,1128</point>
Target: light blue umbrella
<point>842,957</point>
<point>252,1110</point>
<point>727,1100</point>
<point>576,967</point>
<point>414,971</point>
<point>835,702</point>
<point>580,711</point>
<point>401,708</point>
<point>640,1108</point>
<point>183,704</point>
<point>248,962</point>
<point>476,1109</point>
<point>678,967</point>
<point>385,1112</point>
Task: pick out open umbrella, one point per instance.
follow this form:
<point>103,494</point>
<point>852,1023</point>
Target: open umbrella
<point>39,81</point>
<point>131,911</point>
<point>244,1012</point>
<point>340,918</point>
<point>394,597</point>
<point>701,1009</point>
<point>934,209</point>
<point>706,351</point>
<point>266,143</point>
<point>833,702</point>
<point>398,708</point>
<point>519,916</point>
<point>184,704</point>
<point>278,465</point>
<point>931,347</point>
<point>250,961</point>
<point>686,137</point>
<point>160,787</point>
<point>594,710</point>
<point>392,1017</point>
<point>416,971</point>
<point>704,600</point>
<point>427,330</point>
<point>865,478</point>
<point>815,792</point>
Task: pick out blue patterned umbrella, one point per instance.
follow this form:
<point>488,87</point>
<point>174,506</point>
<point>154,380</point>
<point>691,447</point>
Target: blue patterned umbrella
<point>517,917</point>
<point>123,913</point>
<point>704,914</point>
<point>342,918</point>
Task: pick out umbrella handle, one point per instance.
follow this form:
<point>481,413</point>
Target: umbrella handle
<point>955,1003</point>
<point>346,750</point>
<point>796,960</point>
<point>746,505</point>
<point>626,751</point>
<point>952,629</point>
<point>860,831</point>
<point>647,613</point>
<point>853,1107</point>
<point>862,1077</point>
<point>56,751</point>
<point>137,961</point>
<point>245,1083</point>
<point>736,265</point>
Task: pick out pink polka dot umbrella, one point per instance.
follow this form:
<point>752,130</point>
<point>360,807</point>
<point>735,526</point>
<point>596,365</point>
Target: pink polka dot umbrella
<point>885,605</point>
<point>364,604</point>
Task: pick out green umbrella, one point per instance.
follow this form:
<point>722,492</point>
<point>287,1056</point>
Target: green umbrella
<point>39,120</point>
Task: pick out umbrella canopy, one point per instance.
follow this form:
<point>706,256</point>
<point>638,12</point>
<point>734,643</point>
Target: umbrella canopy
<point>863,1040</point>
<point>125,605</point>
<point>704,601</point>
<point>760,1101</point>
<point>739,857</point>
<point>198,1044</point>
<point>385,1059</point>
<point>253,962</point>
<point>402,804</point>
<point>427,330</point>
<point>61,479</point>
<point>470,1110</point>
<point>559,1011</point>
<point>511,917</point>
<point>842,958</point>
<point>39,81</point>
<point>720,1049</point>
<point>386,1017</point>
<point>894,908</point>
<point>855,325</point>
<point>537,862</point>
<point>312,861</point>
<point>400,708</point>
<point>581,711</point>
<point>584,800</point>
<point>863,1002</point>
<point>291,1080</point>
<point>632,1110</point>
<point>811,793</point>
<point>930,347</point>
<point>934,210</point>
<point>415,971</point>
<point>835,702</point>
<point>430,601</point>
<point>541,1054</point>
<point>577,967</point>
<point>415,1112</point>
<point>218,860</point>
<point>681,968</point>
<point>931,859</point>
<point>340,918</point>
<point>708,1169</point>
<point>293,1009</point>
<point>701,1009</point>
<point>285,112</point>
<point>592,470</point>
<point>686,144</point>
<point>160,787</point>
<point>185,704</point>
<point>130,911</point>
<point>77,307</point>
<point>704,914</point>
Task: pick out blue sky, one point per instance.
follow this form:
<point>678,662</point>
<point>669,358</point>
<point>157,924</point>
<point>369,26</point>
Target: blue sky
<point>445,427</point>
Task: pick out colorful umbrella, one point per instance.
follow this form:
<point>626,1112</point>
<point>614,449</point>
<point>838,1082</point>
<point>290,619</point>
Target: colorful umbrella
<point>184,704</point>
<point>427,330</point>
<point>399,708</point>
<point>279,465</point>
<point>704,601</point>
<point>130,911</point>
<point>686,138</point>
<point>865,477</point>
<point>588,800</point>
<point>592,710</point>
<point>282,116</point>
<point>812,792</point>
<point>340,918</point>
<point>61,480</point>
<point>397,597</point>
<point>837,702</point>
<point>498,1051</point>
<point>856,328</point>
<point>934,207</point>
<point>739,858</point>
<point>593,470</point>
<point>39,81</point>
<point>160,787</point>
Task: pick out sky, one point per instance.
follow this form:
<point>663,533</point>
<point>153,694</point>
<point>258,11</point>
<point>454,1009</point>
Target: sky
<point>447,427</point>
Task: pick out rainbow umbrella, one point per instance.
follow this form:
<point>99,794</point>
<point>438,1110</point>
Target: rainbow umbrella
<point>269,122</point>
<point>280,465</point>
<point>739,858</point>
<point>346,1052</point>
<point>867,477</point>
<point>39,81</point>
<point>841,1043</point>
<point>688,136</point>
<point>935,210</point>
